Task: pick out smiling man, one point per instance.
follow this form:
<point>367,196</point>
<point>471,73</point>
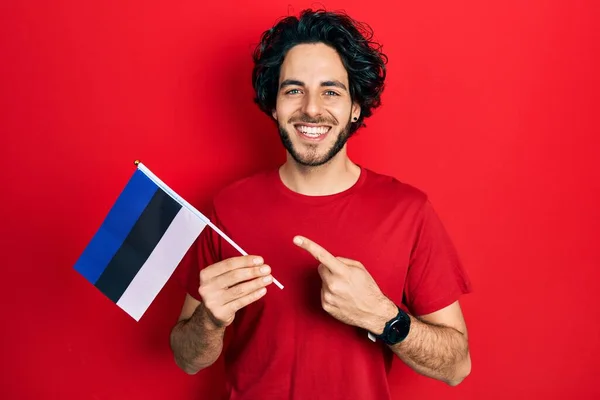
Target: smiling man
<point>318,136</point>
<point>360,253</point>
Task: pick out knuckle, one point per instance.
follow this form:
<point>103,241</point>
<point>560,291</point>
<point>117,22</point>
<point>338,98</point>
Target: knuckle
<point>231,279</point>
<point>203,292</point>
<point>261,270</point>
<point>242,274</point>
<point>255,284</point>
<point>328,298</point>
<point>203,276</point>
<point>319,257</point>
<point>229,264</point>
<point>334,288</point>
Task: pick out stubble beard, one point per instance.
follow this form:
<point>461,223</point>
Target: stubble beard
<point>311,158</point>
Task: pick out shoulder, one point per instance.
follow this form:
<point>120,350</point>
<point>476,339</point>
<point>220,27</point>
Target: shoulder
<point>390,187</point>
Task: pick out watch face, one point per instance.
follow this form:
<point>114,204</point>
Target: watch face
<point>398,331</point>
<point>394,334</point>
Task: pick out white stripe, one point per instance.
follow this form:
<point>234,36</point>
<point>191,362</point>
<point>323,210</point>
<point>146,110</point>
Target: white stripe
<point>161,264</point>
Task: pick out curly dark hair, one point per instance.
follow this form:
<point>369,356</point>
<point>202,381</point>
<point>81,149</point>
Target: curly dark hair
<point>362,57</point>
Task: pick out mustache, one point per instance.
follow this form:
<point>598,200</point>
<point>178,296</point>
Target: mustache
<point>309,120</point>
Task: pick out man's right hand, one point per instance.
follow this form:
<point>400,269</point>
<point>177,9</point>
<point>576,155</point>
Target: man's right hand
<point>229,285</point>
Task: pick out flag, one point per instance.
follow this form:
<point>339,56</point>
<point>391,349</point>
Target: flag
<point>136,249</point>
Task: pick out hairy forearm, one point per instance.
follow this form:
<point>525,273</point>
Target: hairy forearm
<point>436,351</point>
<point>196,343</point>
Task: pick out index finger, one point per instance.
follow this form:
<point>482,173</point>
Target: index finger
<point>318,252</point>
<point>232,263</point>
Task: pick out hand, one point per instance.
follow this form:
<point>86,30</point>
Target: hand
<point>229,285</point>
<point>349,293</point>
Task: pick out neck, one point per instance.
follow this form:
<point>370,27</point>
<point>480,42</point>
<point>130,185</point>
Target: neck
<point>339,174</point>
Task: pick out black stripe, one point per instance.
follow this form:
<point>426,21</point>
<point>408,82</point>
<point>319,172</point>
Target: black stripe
<point>137,246</point>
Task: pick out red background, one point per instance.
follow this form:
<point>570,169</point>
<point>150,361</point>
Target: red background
<point>490,108</point>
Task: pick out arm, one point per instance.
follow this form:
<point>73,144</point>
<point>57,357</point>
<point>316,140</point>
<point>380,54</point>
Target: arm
<point>437,343</point>
<point>225,288</point>
<point>195,341</point>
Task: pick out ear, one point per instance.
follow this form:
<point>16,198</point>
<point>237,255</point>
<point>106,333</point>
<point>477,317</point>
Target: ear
<point>274,114</point>
<point>355,112</point>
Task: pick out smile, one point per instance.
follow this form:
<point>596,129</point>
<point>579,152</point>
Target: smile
<point>312,131</point>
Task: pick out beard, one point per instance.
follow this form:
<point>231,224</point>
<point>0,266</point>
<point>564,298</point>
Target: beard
<point>311,157</point>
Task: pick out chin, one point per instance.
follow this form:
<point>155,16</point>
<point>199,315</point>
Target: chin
<point>310,161</point>
<point>314,146</point>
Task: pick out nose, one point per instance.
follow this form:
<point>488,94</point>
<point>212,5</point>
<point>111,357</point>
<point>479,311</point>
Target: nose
<point>312,105</point>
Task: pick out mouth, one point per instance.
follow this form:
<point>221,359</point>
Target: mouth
<point>312,132</point>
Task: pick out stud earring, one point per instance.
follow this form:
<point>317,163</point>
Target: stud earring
<point>354,119</point>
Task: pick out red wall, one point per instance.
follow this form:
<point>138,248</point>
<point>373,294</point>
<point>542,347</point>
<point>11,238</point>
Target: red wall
<point>490,108</point>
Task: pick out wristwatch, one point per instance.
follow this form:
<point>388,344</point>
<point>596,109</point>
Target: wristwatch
<point>396,329</point>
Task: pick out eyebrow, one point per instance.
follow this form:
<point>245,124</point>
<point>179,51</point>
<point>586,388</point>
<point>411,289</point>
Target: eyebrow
<point>295,82</point>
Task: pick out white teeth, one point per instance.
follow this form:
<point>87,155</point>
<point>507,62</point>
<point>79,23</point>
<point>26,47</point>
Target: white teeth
<point>313,130</point>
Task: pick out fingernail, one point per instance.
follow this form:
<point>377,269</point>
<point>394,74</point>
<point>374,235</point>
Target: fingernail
<point>264,269</point>
<point>267,279</point>
<point>297,240</point>
<point>257,261</point>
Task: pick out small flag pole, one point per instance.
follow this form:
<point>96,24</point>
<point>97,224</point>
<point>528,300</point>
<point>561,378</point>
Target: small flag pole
<point>197,213</point>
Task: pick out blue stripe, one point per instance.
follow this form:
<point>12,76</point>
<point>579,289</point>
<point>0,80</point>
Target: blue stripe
<point>116,226</point>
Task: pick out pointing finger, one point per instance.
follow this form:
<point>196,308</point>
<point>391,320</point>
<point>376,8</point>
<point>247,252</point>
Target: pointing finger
<point>318,252</point>
<point>350,262</point>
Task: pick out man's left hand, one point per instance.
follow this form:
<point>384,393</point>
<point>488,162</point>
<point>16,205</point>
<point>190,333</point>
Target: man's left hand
<point>349,293</point>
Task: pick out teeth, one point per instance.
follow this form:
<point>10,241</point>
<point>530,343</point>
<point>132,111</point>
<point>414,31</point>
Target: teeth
<point>313,130</point>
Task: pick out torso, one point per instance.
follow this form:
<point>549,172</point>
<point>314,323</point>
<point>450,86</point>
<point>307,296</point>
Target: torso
<point>285,346</point>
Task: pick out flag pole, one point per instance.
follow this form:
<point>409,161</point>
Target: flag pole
<point>197,213</point>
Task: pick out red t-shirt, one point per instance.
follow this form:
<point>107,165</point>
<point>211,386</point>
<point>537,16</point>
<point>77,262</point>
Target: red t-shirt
<point>285,346</point>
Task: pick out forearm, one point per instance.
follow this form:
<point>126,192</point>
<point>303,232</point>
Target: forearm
<point>436,351</point>
<point>439,352</point>
<point>196,343</point>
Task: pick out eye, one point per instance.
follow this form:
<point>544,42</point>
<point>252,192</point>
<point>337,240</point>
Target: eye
<point>331,93</point>
<point>293,91</point>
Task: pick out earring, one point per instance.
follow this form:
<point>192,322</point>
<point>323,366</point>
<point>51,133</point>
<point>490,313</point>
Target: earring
<point>354,119</point>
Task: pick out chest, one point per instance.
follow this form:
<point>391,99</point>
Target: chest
<point>381,239</point>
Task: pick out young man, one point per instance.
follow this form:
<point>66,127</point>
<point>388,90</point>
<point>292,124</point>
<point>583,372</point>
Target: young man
<point>357,251</point>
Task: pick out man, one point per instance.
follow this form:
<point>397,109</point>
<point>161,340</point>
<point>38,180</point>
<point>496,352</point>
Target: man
<point>358,252</point>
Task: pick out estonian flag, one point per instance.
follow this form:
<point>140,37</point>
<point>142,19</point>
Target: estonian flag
<point>140,243</point>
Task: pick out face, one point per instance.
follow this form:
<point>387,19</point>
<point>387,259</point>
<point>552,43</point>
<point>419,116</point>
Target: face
<point>314,109</point>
